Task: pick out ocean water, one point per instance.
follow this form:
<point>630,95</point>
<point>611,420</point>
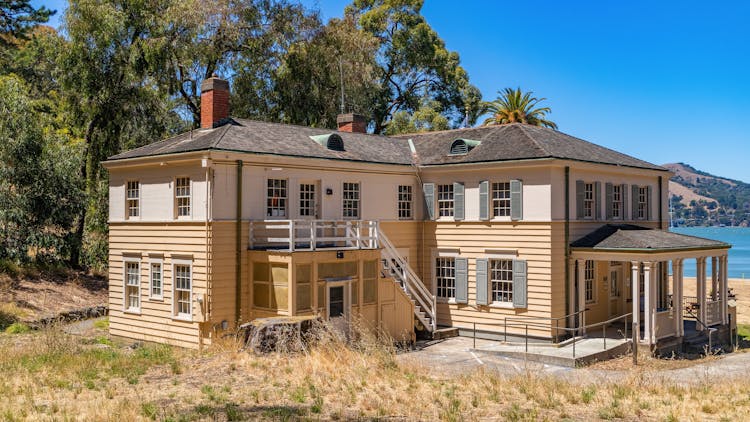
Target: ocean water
<point>739,255</point>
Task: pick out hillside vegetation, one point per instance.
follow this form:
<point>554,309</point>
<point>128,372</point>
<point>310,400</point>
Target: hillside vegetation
<point>702,199</point>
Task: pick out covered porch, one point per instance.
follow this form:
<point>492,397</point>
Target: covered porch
<point>633,264</point>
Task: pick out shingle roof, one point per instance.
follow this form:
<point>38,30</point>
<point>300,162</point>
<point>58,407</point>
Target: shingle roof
<point>279,139</point>
<point>631,237</point>
<point>495,143</point>
<point>516,141</point>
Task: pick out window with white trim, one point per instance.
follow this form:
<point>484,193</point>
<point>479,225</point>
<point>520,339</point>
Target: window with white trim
<point>404,202</point>
<point>157,277</point>
<point>588,200</point>
<point>183,288</point>
<point>133,198</point>
<point>276,199</point>
<point>445,200</point>
<point>350,200</point>
<point>617,203</point>
<point>588,278</point>
<point>132,294</point>
<point>501,199</point>
<point>501,280</point>
<point>307,200</point>
<point>642,202</point>
<point>182,196</point>
<point>445,277</point>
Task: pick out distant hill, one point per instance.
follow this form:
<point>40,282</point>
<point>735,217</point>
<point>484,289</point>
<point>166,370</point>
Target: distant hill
<point>703,199</point>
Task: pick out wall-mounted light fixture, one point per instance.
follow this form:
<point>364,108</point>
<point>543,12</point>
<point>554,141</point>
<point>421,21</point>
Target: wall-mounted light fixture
<point>329,191</point>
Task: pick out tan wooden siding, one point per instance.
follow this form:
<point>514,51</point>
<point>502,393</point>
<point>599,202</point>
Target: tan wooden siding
<point>168,241</point>
<point>223,273</point>
<point>531,242</point>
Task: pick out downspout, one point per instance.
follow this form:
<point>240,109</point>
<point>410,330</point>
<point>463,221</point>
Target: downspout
<point>207,304</point>
<point>567,241</point>
<point>238,250</point>
<point>661,203</point>
<point>415,164</point>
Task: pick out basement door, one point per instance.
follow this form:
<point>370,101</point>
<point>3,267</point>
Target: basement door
<point>338,305</point>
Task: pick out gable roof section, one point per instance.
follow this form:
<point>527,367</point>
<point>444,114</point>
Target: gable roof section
<point>516,141</point>
<point>628,237</point>
<point>240,135</point>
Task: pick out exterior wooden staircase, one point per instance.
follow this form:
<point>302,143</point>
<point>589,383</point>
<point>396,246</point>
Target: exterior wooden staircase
<point>396,267</point>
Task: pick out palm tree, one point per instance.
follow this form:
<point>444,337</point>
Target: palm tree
<point>515,106</point>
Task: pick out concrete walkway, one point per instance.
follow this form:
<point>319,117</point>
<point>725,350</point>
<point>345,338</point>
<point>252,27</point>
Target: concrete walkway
<point>456,356</point>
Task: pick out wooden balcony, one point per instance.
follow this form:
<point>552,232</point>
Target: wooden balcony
<point>313,235</point>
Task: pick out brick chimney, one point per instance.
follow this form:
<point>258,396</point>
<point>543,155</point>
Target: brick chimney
<point>352,122</point>
<point>214,101</point>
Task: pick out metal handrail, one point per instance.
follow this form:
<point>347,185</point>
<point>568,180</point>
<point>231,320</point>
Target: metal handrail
<point>555,319</point>
<point>710,330</point>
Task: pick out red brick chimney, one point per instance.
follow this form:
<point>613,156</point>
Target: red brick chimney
<point>214,101</point>
<point>352,122</point>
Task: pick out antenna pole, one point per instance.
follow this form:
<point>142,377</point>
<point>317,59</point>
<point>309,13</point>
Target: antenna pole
<point>341,80</point>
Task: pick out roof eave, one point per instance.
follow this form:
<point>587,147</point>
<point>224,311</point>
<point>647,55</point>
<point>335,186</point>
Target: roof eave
<point>650,250</point>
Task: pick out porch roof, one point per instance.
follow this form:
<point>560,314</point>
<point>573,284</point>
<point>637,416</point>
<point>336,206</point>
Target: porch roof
<point>632,238</point>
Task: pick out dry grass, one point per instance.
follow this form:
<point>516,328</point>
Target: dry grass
<point>49,375</point>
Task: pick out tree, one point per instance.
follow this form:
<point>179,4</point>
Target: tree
<point>426,119</point>
<point>413,61</point>
<point>40,191</point>
<point>17,17</point>
<point>516,106</point>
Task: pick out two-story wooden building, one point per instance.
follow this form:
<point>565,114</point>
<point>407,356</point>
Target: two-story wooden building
<point>243,219</point>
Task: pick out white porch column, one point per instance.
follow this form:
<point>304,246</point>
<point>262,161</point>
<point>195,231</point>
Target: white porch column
<point>700,264</point>
<point>677,296</point>
<point>582,294</point>
<point>714,279</point>
<point>724,288</point>
<point>635,284</point>
<point>649,296</point>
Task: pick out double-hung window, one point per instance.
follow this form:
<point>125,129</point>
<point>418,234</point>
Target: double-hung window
<point>132,296</point>
<point>157,277</point>
<point>642,202</point>
<point>501,280</point>
<point>501,199</point>
<point>617,202</point>
<point>133,198</point>
<point>276,200</point>
<point>445,200</point>
<point>183,288</point>
<point>588,277</point>
<point>445,277</point>
<point>404,202</point>
<point>350,200</point>
<point>588,200</point>
<point>182,196</point>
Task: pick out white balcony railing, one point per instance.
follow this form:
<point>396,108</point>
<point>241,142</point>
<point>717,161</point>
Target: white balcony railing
<point>313,235</point>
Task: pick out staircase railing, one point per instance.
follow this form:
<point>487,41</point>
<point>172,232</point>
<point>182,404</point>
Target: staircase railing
<point>400,269</point>
<point>705,327</point>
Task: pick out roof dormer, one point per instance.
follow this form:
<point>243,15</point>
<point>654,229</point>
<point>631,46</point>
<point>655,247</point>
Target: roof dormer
<point>462,146</point>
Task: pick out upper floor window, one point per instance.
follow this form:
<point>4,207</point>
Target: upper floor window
<point>588,277</point>
<point>501,279</point>
<point>182,196</point>
<point>276,199</point>
<point>445,277</point>
<point>132,283</point>
<point>445,200</point>
<point>642,202</point>
<point>617,202</point>
<point>183,288</point>
<point>501,199</point>
<point>588,200</point>
<point>351,200</point>
<point>133,198</point>
<point>404,201</point>
<point>307,201</point>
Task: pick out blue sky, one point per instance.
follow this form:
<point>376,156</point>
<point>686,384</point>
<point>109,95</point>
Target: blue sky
<point>664,81</point>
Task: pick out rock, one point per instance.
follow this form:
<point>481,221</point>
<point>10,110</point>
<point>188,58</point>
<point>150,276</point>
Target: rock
<point>283,334</point>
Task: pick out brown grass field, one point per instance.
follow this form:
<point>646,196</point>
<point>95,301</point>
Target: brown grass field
<point>48,375</point>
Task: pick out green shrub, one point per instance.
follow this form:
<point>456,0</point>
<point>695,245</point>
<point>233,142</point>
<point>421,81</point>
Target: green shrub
<point>17,328</point>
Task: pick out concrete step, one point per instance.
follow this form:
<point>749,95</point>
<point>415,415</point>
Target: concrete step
<point>445,332</point>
